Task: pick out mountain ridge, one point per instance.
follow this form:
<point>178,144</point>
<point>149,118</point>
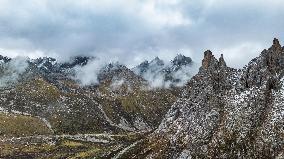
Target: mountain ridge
<point>225,112</point>
<point>221,112</point>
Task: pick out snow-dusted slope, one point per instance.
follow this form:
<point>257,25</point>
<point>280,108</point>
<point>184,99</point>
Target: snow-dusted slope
<point>226,113</point>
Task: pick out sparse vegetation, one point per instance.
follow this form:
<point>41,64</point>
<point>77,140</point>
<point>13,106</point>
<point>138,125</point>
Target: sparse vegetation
<point>14,125</point>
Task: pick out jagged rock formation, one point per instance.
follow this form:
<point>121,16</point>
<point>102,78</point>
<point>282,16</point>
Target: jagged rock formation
<point>221,112</point>
<point>159,74</point>
<point>4,59</point>
<point>181,60</point>
<point>225,113</point>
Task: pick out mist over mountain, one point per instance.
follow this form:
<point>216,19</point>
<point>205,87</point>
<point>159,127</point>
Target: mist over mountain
<point>87,107</point>
<point>89,70</point>
<point>163,74</point>
<point>141,79</point>
<point>11,69</point>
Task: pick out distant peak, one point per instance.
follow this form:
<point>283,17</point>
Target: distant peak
<point>276,45</point>
<point>157,61</point>
<point>144,64</point>
<point>4,58</point>
<point>179,56</point>
<point>181,60</point>
<point>77,61</point>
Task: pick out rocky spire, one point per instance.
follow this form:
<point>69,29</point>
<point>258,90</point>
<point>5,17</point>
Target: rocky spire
<point>276,46</point>
<point>222,61</point>
<point>273,57</point>
<point>208,59</point>
<point>276,42</point>
<point>211,64</point>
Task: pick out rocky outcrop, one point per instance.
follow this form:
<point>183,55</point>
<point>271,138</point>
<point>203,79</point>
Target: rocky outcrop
<point>4,59</point>
<point>225,112</point>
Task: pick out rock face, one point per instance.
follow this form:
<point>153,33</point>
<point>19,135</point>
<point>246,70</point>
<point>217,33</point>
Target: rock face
<point>225,112</point>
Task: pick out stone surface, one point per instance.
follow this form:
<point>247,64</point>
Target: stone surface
<point>225,112</point>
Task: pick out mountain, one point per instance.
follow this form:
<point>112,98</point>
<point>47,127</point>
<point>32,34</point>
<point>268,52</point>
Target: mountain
<point>46,89</point>
<point>120,102</point>
<point>225,112</point>
<point>44,92</point>
<point>173,74</point>
<point>181,60</point>
<point>220,112</point>
<point>4,59</point>
<point>153,66</point>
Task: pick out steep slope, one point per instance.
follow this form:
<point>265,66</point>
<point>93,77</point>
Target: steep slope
<point>225,113</point>
<point>119,103</point>
<point>70,120</point>
<point>128,102</point>
<point>221,112</point>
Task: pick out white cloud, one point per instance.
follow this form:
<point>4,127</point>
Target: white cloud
<point>131,31</point>
<point>165,16</point>
<point>88,74</point>
<point>11,71</point>
<point>12,53</point>
<point>238,55</point>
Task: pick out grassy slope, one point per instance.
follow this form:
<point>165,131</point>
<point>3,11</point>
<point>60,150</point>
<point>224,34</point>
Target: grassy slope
<point>21,125</point>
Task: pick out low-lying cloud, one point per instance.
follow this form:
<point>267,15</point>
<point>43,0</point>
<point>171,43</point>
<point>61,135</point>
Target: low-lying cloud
<point>158,78</point>
<point>11,71</point>
<point>157,73</point>
<point>165,75</point>
<point>88,74</point>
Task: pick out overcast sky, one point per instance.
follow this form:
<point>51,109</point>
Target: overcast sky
<point>134,30</point>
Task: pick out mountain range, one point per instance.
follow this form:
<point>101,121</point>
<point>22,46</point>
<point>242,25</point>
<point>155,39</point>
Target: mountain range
<point>157,109</point>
